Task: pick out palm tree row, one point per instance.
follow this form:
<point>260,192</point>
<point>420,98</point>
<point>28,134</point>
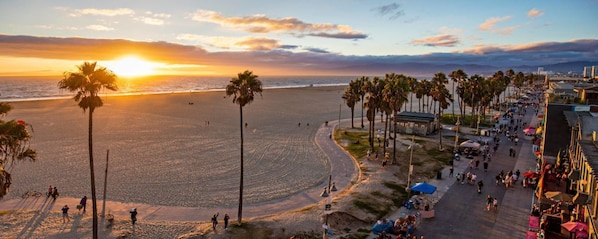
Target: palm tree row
<point>389,94</point>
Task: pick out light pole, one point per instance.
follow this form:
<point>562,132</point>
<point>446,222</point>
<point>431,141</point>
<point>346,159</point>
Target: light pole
<point>327,193</point>
<point>410,170</point>
<point>457,133</point>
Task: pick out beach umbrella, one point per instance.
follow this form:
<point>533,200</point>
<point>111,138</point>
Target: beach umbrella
<point>424,187</point>
<point>530,174</point>
<point>529,130</point>
<point>581,234</point>
<point>470,144</point>
<point>575,226</point>
<point>558,196</point>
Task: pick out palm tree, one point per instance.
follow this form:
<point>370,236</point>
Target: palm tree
<point>14,146</point>
<point>360,88</point>
<point>87,83</point>
<point>395,93</point>
<point>351,99</point>
<point>457,76</point>
<point>373,89</point>
<point>243,89</point>
<point>441,96</point>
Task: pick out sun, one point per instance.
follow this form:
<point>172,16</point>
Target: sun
<point>131,66</point>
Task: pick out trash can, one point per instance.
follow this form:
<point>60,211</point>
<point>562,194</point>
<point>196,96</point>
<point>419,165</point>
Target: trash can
<point>439,175</point>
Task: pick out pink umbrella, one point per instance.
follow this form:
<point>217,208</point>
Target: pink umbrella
<point>529,130</point>
<point>575,226</point>
<point>581,234</point>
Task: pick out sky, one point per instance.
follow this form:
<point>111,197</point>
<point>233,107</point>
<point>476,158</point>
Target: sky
<point>275,37</point>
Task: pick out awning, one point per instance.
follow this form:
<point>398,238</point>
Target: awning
<point>574,175</point>
<point>581,198</point>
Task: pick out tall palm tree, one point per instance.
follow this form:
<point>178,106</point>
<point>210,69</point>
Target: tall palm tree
<point>457,76</point>
<point>360,88</point>
<point>14,146</point>
<point>373,89</point>
<point>351,99</point>
<point>243,89</point>
<point>87,84</point>
<point>441,96</point>
<point>395,93</point>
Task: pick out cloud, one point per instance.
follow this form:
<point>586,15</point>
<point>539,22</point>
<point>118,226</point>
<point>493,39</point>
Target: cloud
<point>316,50</point>
<point>491,22</point>
<point>264,24</point>
<point>444,40</point>
<point>153,18</point>
<point>99,28</point>
<point>534,13</point>
<point>505,31</point>
<point>102,12</point>
<point>258,44</point>
<point>392,9</point>
<point>487,58</point>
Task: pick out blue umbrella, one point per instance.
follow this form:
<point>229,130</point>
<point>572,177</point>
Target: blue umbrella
<point>424,188</point>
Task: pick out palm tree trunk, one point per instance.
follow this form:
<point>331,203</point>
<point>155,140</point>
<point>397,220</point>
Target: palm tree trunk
<point>240,215</point>
<point>394,142</point>
<point>362,112</point>
<point>385,133</point>
<point>411,100</point>
<point>352,116</point>
<point>92,175</point>
<point>453,102</point>
<point>440,128</point>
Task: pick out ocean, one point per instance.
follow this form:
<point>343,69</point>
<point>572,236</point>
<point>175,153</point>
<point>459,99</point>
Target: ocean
<point>45,88</point>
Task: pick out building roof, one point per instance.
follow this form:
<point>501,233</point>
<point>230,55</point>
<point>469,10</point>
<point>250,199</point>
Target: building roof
<point>573,116</point>
<point>556,131</point>
<point>590,150</point>
<point>415,116</point>
<point>589,125</point>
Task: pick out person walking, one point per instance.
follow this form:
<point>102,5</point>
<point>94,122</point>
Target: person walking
<point>485,165</point>
<point>65,214</point>
<point>451,170</point>
<point>133,213</point>
<point>495,204</point>
<point>226,218</point>
<point>54,193</point>
<point>83,203</point>
<point>215,221</point>
<point>50,190</point>
<point>489,201</point>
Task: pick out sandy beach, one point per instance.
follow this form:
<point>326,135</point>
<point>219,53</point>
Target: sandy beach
<point>163,152</point>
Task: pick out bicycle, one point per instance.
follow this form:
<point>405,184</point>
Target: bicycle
<point>28,194</point>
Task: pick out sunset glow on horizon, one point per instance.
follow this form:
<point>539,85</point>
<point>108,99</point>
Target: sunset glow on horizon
<point>132,66</point>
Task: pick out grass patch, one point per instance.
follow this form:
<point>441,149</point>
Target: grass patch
<point>358,150</point>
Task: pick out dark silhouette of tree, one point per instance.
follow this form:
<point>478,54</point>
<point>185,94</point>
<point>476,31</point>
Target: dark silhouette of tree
<point>243,89</point>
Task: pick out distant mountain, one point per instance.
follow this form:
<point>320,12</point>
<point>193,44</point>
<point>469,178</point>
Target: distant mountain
<point>420,69</point>
<point>564,67</point>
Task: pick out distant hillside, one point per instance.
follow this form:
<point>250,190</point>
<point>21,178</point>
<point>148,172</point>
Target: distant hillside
<point>420,69</point>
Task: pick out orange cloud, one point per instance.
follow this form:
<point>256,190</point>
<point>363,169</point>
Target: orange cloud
<point>534,13</point>
<point>258,44</point>
<point>491,22</point>
<point>102,12</point>
<point>264,24</point>
<point>445,40</point>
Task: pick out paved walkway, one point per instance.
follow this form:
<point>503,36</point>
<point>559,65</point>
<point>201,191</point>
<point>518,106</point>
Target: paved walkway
<point>343,170</point>
<point>460,213</point>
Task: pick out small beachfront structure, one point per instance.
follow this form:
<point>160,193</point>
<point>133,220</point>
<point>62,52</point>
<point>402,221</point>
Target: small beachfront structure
<point>417,123</point>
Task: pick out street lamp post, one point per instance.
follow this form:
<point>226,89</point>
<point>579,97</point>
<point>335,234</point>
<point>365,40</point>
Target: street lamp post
<point>457,133</point>
<point>327,193</point>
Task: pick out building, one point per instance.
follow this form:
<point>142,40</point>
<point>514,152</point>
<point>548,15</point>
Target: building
<point>416,123</point>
